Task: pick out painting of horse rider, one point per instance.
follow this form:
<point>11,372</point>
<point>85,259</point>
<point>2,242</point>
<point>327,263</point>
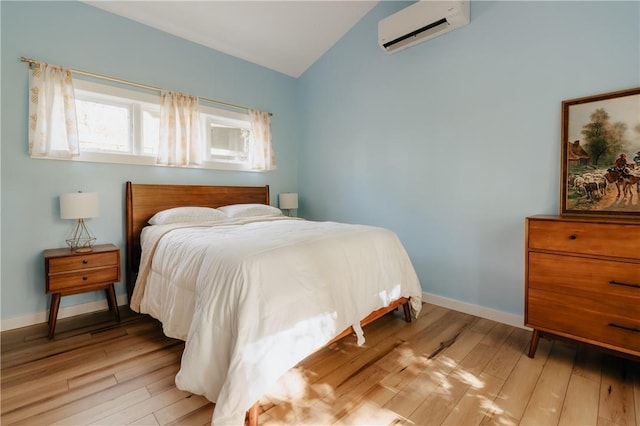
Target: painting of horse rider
<point>601,154</point>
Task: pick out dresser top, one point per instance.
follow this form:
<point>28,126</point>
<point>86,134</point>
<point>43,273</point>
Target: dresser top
<point>590,219</point>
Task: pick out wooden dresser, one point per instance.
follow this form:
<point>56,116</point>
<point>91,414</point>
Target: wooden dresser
<point>582,281</point>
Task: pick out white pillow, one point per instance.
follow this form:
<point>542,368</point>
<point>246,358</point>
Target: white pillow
<point>187,214</point>
<point>250,210</point>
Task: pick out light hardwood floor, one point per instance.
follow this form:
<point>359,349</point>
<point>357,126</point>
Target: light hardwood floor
<point>445,368</point>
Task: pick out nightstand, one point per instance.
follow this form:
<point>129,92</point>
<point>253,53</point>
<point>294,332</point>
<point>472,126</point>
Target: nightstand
<point>68,272</point>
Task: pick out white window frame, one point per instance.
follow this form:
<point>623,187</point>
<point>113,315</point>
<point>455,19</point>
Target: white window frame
<point>142,101</point>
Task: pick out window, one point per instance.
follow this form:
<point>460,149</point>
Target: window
<point>103,126</point>
<point>119,125</point>
<point>227,141</point>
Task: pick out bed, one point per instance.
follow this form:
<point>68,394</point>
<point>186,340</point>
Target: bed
<point>252,295</point>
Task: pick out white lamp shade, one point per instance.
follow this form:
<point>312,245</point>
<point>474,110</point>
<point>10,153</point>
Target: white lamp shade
<point>288,200</point>
<point>79,205</point>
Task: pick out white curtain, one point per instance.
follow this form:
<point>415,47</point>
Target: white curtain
<point>53,126</point>
<point>180,140</point>
<point>261,155</point>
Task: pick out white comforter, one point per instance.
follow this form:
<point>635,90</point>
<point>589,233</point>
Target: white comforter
<point>252,300</point>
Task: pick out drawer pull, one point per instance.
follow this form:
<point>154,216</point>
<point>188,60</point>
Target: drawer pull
<point>614,325</point>
<point>85,278</point>
<point>614,282</point>
<point>85,261</point>
<point>573,237</point>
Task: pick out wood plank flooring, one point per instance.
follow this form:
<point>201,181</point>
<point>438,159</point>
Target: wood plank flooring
<point>446,368</point>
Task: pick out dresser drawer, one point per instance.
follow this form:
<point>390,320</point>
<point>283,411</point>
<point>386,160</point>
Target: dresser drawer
<point>584,276</point>
<point>88,261</point>
<point>611,321</point>
<point>82,279</point>
<point>602,239</point>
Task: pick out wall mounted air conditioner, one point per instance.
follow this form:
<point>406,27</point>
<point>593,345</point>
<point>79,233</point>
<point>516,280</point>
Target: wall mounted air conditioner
<point>421,21</point>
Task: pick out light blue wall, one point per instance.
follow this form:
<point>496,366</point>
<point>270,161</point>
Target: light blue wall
<point>79,36</point>
<point>452,142</point>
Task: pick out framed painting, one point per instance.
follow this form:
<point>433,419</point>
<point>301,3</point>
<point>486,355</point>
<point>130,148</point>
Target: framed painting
<point>601,155</point>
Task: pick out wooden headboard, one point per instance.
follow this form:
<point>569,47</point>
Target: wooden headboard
<point>145,200</point>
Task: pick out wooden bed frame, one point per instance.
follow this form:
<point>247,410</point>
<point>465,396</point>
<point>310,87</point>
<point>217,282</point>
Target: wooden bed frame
<point>145,200</point>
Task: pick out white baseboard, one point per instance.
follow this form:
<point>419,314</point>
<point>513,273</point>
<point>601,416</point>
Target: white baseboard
<point>479,311</point>
<point>64,312</point>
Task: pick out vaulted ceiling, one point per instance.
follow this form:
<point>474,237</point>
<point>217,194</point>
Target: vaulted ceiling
<point>285,36</point>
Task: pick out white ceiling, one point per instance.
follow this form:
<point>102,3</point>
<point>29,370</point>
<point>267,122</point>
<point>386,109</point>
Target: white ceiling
<point>285,36</point>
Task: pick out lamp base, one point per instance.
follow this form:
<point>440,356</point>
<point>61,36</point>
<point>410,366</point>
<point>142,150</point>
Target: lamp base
<point>83,250</point>
<point>80,239</point>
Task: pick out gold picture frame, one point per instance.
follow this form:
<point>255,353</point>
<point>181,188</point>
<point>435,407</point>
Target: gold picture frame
<point>599,133</point>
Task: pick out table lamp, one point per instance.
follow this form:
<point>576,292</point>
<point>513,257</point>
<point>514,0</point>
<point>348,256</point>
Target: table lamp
<point>288,201</point>
<point>79,205</point>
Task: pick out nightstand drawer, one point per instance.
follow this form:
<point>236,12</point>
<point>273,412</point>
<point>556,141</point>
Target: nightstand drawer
<point>83,278</point>
<point>87,261</point>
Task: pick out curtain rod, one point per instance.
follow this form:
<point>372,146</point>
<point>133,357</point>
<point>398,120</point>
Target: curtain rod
<point>31,62</point>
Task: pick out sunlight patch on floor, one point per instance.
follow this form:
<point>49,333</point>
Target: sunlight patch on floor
<point>497,414</point>
<point>292,386</point>
<point>470,379</point>
<point>296,387</point>
<point>368,413</point>
<point>490,406</point>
